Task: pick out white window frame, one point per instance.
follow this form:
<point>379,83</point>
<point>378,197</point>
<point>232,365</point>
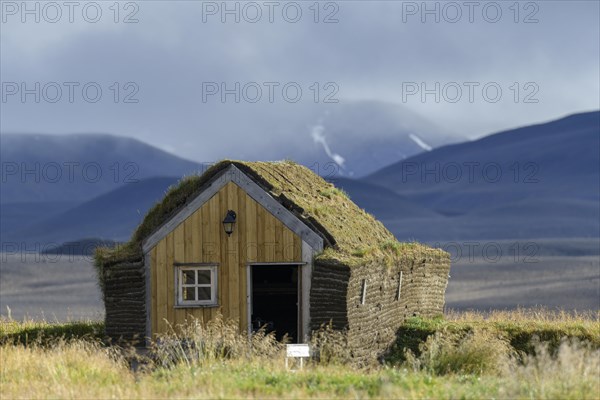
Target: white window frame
<point>179,285</point>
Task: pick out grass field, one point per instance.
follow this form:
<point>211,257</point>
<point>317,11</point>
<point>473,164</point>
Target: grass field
<point>521,354</point>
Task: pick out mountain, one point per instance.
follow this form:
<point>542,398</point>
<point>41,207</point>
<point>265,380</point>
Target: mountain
<point>17,216</point>
<point>47,178</point>
<point>84,247</point>
<point>361,137</point>
<point>114,215</point>
<point>536,181</point>
<point>78,167</point>
<point>349,138</point>
<point>559,158</point>
<point>540,181</point>
<point>111,216</point>
<point>382,202</point>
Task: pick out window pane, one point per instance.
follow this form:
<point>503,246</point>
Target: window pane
<point>203,293</point>
<point>188,277</point>
<point>204,277</point>
<point>189,294</point>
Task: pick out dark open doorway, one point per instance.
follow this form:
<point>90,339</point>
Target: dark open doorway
<point>275,299</point>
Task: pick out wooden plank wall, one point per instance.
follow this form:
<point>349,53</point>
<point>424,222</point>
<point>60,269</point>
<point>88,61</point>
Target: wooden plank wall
<point>257,237</point>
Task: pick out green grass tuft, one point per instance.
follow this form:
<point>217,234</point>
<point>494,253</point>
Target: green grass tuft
<point>522,329</point>
<point>42,332</point>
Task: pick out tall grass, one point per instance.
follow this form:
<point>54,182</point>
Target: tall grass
<point>330,347</point>
<point>570,372</point>
<point>531,315</point>
<point>67,369</point>
<point>214,360</point>
<point>195,343</point>
<point>521,328</point>
<point>479,352</point>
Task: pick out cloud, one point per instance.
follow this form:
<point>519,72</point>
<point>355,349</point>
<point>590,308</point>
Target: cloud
<point>369,53</point>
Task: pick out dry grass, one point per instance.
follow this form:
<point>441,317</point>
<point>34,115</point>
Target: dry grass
<point>195,344</point>
<point>571,372</point>
<point>215,361</point>
<point>72,369</point>
<point>520,328</point>
<point>536,316</point>
<point>481,351</point>
<point>330,347</point>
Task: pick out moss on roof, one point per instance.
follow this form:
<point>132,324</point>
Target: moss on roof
<point>350,234</point>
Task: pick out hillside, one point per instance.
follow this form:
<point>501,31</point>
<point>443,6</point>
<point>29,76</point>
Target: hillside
<point>555,159</point>
<point>349,138</point>
<point>380,201</point>
<point>113,215</point>
<point>531,182</point>
<point>78,167</point>
<point>539,181</point>
<point>366,135</point>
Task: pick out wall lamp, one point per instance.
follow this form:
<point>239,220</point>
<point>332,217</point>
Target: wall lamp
<point>229,222</point>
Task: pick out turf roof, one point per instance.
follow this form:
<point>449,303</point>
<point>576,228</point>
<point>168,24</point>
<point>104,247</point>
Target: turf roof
<point>350,234</point>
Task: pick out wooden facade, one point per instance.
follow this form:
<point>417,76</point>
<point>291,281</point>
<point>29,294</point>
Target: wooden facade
<point>258,237</point>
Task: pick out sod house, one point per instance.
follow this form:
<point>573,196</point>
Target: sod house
<point>268,244</point>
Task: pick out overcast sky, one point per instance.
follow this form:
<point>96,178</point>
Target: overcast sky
<point>543,56</point>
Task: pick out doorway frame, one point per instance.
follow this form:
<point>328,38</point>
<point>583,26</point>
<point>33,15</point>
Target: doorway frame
<point>305,268</point>
<point>299,313</point>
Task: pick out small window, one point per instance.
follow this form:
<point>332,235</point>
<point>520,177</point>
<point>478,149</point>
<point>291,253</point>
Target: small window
<point>399,289</point>
<point>363,295</point>
<point>196,286</point>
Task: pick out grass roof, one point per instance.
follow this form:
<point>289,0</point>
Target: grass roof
<point>350,234</point>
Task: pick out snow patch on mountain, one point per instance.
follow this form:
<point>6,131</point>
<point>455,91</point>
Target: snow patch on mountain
<point>318,136</point>
<point>420,142</point>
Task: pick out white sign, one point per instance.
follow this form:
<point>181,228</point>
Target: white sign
<point>298,350</point>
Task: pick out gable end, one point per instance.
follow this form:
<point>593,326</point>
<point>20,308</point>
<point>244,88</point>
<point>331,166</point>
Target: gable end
<point>235,175</point>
